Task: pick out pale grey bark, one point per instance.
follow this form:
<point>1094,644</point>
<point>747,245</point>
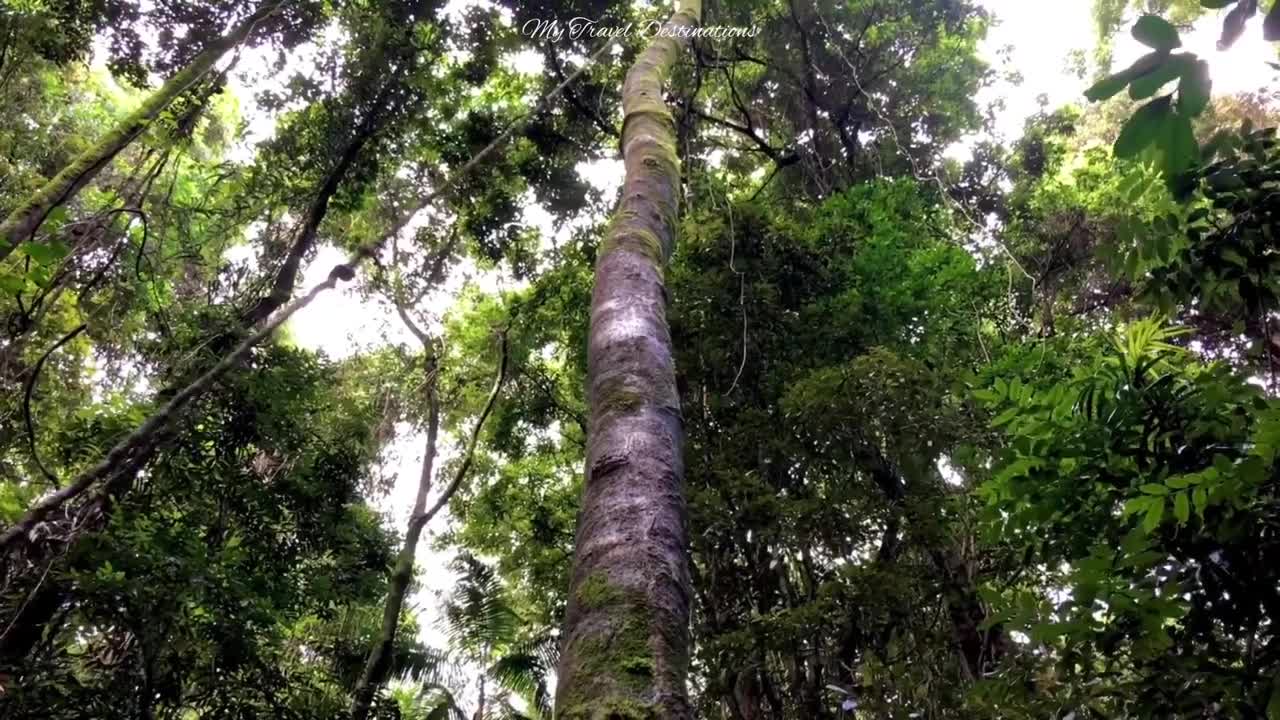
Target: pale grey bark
<point>625,644</point>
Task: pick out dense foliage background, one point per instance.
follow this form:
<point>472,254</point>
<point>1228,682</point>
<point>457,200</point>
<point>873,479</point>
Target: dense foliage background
<point>990,438</point>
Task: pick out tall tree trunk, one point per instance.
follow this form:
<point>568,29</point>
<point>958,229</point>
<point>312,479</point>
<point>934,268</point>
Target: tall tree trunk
<point>626,632</point>
<point>23,222</point>
<point>378,663</point>
<point>379,659</point>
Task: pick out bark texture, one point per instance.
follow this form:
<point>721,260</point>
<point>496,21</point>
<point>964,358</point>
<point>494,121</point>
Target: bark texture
<point>23,222</point>
<point>625,644</point>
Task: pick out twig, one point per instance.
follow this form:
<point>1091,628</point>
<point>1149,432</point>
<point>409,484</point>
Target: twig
<point>27,601</point>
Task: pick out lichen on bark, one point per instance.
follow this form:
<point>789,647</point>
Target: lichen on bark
<point>625,647</point>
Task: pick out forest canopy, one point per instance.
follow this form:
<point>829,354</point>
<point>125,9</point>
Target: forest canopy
<point>604,360</point>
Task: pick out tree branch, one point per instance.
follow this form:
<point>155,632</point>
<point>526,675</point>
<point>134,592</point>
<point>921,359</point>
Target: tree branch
<point>26,402</point>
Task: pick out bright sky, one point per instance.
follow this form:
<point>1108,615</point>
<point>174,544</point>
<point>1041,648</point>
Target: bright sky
<point>1042,35</point>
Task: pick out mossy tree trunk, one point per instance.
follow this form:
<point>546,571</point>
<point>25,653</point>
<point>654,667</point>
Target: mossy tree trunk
<point>625,642</point>
<point>23,222</point>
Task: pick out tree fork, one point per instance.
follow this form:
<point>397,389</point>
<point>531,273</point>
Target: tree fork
<point>23,222</point>
<point>625,642</point>
<point>378,661</point>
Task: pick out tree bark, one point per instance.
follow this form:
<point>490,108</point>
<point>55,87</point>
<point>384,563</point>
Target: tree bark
<point>625,650</point>
<point>23,222</point>
<point>378,663</point>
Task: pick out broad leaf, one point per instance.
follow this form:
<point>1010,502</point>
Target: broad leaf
<point>1170,69</point>
<point>1157,33</point>
<point>1107,87</point>
<point>1181,149</point>
<point>1141,129</point>
<point>1155,513</point>
<point>1195,89</point>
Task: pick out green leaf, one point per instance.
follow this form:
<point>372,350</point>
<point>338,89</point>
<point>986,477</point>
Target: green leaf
<point>1155,513</point>
<point>1155,32</point>
<point>1005,417</point>
<point>1182,508</point>
<point>1137,505</point>
<point>1154,489</point>
<point>1170,68</point>
<point>1176,143</point>
<point>40,276</point>
<point>1162,248</point>
<point>1107,87</point>
<point>1222,464</point>
<point>1201,498</point>
<point>12,285</point>
<point>986,396</point>
<point>1140,130</point>
<point>45,254</point>
<point>1195,89</point>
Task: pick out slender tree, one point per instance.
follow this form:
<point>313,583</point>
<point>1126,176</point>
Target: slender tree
<point>626,631</point>
<point>304,237</point>
<point>27,217</point>
<point>378,661</point>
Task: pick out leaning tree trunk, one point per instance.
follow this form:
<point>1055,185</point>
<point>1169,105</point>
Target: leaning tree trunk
<point>304,238</point>
<point>625,644</point>
<point>23,222</point>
